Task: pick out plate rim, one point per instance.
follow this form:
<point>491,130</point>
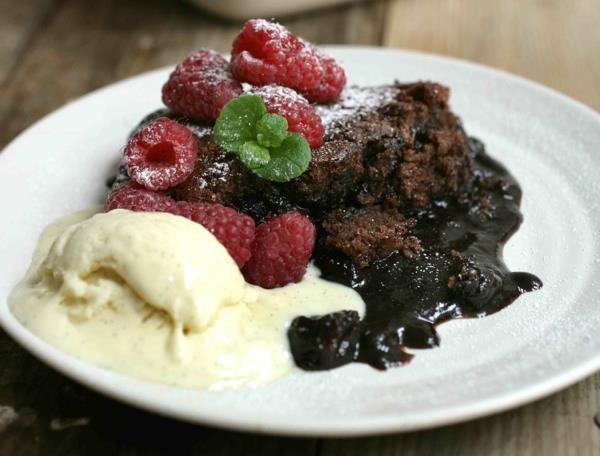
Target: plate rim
<point>357,426</point>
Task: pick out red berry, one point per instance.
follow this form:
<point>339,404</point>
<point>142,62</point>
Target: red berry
<point>331,84</point>
<point>281,251</point>
<point>161,155</point>
<point>200,86</point>
<point>132,196</point>
<point>300,115</point>
<point>233,229</point>
<point>186,208</point>
<point>267,53</point>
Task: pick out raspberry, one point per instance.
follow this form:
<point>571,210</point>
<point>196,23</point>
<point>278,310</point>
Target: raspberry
<point>161,155</point>
<point>331,84</point>
<point>233,229</point>
<point>267,53</point>
<point>280,251</point>
<point>186,208</point>
<point>130,195</point>
<point>300,115</point>
<point>200,86</point>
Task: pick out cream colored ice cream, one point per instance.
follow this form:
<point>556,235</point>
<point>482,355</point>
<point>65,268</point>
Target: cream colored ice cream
<point>156,296</point>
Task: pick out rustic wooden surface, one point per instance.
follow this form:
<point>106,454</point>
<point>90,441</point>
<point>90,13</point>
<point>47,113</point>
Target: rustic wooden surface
<point>54,50</point>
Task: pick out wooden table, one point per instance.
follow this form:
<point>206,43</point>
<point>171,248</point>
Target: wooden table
<point>54,50</point>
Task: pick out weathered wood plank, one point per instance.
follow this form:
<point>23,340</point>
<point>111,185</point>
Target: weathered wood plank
<point>554,42</point>
<point>18,21</point>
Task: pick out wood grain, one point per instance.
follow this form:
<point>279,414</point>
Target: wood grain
<point>53,51</point>
<point>18,23</point>
<point>555,42</point>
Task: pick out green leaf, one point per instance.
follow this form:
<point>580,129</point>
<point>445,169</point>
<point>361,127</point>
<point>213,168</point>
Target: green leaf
<point>254,155</point>
<point>261,139</point>
<point>237,122</point>
<point>288,161</point>
<point>271,130</point>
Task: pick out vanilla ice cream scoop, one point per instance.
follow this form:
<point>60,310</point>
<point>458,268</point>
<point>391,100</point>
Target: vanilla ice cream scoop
<point>168,261</point>
<point>157,296</point>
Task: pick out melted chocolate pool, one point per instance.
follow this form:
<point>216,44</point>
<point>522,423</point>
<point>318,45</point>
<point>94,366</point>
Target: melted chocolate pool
<point>459,273</point>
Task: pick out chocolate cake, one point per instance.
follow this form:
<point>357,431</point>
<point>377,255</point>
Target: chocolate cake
<point>410,212</point>
<point>387,149</point>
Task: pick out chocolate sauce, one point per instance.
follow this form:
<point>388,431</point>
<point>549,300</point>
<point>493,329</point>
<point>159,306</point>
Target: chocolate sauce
<point>459,273</point>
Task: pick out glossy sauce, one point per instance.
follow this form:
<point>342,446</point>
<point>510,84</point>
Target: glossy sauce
<point>459,273</point>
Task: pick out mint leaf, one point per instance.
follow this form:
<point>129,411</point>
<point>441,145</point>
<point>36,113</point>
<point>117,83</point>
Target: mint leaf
<point>271,130</point>
<point>237,122</point>
<point>261,139</point>
<point>288,161</point>
<point>254,155</point>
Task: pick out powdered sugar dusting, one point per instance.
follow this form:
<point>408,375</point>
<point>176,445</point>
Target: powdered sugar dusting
<point>199,130</point>
<point>353,100</point>
<point>148,177</point>
<point>274,29</point>
<point>279,97</point>
<point>214,76</point>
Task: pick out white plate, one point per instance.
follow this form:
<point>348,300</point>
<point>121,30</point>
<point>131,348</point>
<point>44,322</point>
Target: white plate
<point>543,342</point>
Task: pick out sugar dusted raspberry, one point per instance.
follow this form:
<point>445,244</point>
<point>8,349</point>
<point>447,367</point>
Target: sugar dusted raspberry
<point>331,85</point>
<point>280,251</point>
<point>267,53</point>
<point>232,228</point>
<point>132,196</point>
<point>161,155</point>
<point>300,115</point>
<point>200,86</point>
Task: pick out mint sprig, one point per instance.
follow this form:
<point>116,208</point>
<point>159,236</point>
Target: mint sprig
<point>261,140</point>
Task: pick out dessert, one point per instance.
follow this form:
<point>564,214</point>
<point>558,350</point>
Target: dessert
<point>326,223</point>
<point>410,212</point>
